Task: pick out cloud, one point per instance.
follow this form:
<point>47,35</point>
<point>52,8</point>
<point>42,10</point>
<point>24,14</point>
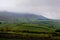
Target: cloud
<point>47,8</point>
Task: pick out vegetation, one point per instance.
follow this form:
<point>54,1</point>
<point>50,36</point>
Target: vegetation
<point>42,28</point>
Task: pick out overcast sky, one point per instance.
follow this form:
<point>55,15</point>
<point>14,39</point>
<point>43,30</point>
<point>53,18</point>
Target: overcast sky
<point>47,8</point>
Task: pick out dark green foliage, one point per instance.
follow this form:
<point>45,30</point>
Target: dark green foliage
<point>57,31</point>
<point>0,23</point>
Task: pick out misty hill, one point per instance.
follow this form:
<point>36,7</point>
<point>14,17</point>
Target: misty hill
<point>13,17</point>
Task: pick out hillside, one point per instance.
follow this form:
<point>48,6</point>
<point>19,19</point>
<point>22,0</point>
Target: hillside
<point>14,17</point>
<point>11,17</point>
<point>23,25</point>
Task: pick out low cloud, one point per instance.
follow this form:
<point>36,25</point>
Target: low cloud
<point>47,8</point>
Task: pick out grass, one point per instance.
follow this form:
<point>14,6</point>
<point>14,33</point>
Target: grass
<point>40,29</point>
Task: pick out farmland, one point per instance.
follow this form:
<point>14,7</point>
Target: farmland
<point>38,30</point>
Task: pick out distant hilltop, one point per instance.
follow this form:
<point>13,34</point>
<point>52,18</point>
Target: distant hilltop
<point>14,17</point>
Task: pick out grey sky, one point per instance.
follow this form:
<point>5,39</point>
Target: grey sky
<point>47,8</point>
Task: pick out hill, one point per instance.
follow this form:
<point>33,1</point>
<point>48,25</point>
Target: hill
<point>14,17</point>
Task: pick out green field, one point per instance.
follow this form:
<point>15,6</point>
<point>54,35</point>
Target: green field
<point>42,28</point>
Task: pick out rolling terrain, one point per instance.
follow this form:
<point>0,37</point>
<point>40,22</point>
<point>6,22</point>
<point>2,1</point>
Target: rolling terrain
<point>15,17</point>
<point>28,25</point>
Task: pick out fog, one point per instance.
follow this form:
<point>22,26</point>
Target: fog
<point>47,8</point>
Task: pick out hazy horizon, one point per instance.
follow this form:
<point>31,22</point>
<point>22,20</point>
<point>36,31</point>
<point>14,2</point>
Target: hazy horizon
<point>47,8</point>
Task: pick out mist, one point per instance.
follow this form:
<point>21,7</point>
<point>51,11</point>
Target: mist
<point>47,8</point>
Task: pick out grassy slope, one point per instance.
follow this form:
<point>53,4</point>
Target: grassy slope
<point>41,25</point>
<point>46,26</point>
<point>28,26</point>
